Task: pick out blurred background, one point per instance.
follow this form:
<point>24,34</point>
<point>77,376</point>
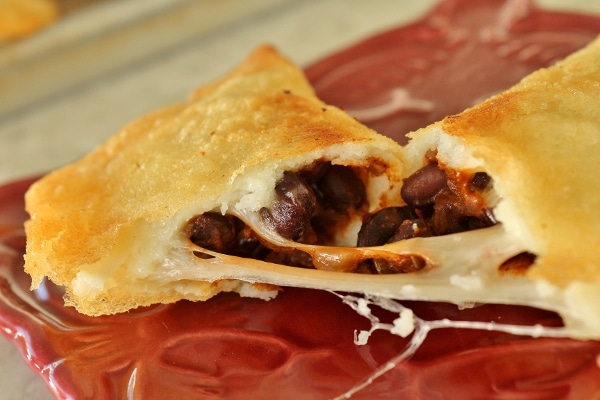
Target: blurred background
<point>98,64</point>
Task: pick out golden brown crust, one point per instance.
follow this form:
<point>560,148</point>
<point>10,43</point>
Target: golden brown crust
<point>541,141</point>
<point>90,219</point>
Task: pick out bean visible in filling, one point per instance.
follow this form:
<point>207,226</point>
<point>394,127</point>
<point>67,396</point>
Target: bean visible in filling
<point>452,204</point>
<point>312,204</point>
<point>518,264</point>
<point>293,207</point>
<point>213,231</point>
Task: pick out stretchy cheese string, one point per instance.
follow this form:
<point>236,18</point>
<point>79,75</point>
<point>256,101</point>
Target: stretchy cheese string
<point>407,323</point>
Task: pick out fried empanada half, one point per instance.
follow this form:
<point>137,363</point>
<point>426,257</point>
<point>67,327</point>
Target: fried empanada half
<point>114,227</point>
<point>540,143</point>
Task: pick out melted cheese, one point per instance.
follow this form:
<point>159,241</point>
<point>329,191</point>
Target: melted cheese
<point>461,268</point>
<point>470,261</point>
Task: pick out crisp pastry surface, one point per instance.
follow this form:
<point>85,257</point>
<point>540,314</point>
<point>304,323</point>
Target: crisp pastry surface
<point>119,209</point>
<point>540,141</point>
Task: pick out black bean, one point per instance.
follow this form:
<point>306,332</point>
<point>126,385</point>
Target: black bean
<point>479,181</point>
<point>213,231</point>
<point>314,172</point>
<point>421,188</point>
<point>451,214</point>
<point>379,227</point>
<point>471,223</point>
<point>518,265</point>
<point>365,267</point>
<point>411,228</point>
<point>292,187</point>
<point>448,214</point>
<point>293,258</point>
<point>293,207</point>
<point>341,189</point>
<point>248,244</point>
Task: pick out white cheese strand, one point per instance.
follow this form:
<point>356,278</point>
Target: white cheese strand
<point>420,329</point>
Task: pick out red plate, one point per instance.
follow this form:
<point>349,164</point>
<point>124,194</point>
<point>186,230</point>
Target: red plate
<point>301,345</point>
<point>460,53</point>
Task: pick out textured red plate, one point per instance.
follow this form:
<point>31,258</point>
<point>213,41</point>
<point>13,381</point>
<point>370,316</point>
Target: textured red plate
<point>460,53</point>
<point>301,345</point>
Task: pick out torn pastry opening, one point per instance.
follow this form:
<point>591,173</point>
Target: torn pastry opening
<point>320,217</point>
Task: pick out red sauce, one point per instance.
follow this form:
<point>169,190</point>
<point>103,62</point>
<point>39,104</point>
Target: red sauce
<point>300,345</point>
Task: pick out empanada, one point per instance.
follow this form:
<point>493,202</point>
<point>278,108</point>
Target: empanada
<point>254,183</point>
<point>114,228</point>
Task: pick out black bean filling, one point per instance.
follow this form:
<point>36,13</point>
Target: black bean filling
<point>438,202</point>
<point>311,205</point>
